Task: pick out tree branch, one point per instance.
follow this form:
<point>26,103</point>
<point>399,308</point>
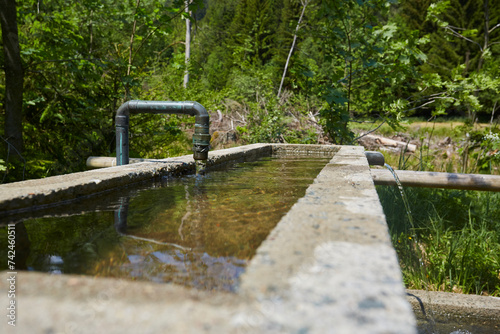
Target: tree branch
<point>494,27</point>
<point>456,34</point>
<point>367,133</point>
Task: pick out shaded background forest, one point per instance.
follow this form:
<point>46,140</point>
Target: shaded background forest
<point>378,60</point>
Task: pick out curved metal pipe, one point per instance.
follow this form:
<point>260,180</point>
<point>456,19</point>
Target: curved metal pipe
<point>201,137</point>
<point>375,158</point>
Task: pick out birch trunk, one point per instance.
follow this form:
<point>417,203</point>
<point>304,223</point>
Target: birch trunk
<point>304,5</point>
<point>188,45</point>
<point>132,36</point>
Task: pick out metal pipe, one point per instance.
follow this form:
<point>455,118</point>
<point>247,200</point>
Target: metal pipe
<point>375,158</point>
<point>121,214</point>
<point>408,178</point>
<point>201,137</point>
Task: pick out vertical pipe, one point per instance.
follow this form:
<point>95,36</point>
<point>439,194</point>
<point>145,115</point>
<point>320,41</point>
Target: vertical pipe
<point>122,146</point>
<point>121,215</point>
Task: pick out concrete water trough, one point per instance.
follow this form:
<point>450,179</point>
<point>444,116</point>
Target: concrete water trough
<point>327,267</point>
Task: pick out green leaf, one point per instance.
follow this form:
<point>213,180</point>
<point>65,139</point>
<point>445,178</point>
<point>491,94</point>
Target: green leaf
<point>335,96</point>
<point>308,73</point>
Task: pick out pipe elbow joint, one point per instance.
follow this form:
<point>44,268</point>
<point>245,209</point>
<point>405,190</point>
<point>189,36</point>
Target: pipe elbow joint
<point>123,110</point>
<point>122,118</point>
<point>200,113</point>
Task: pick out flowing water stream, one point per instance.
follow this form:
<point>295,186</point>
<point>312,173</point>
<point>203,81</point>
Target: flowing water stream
<point>403,195</point>
<point>201,166</point>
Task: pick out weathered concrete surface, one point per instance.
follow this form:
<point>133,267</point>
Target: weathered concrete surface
<point>328,267</point>
<point>456,309</point>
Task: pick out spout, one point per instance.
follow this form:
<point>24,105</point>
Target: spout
<point>201,137</point>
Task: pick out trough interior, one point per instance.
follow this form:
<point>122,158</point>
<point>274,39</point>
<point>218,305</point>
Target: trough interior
<point>198,231</point>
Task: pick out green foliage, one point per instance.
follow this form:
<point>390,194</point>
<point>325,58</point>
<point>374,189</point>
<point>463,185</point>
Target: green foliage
<point>462,93</point>
<point>490,145</point>
<point>479,149</point>
<point>157,136</point>
<point>464,56</point>
<point>76,76</point>
<point>3,167</point>
<point>369,70</point>
<point>251,32</point>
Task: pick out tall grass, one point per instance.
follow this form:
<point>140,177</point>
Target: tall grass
<point>454,244</point>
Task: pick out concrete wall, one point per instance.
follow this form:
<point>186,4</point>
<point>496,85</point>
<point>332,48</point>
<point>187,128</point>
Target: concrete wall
<point>327,267</point>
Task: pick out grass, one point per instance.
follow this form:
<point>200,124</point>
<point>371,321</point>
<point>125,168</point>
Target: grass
<point>454,243</point>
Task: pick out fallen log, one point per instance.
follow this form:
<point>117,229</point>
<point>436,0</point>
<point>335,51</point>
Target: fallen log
<point>408,178</point>
<point>382,141</point>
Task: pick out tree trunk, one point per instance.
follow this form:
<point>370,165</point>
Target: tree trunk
<point>486,34</point>
<point>13,78</point>
<point>188,45</point>
<point>130,58</point>
<point>304,5</point>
